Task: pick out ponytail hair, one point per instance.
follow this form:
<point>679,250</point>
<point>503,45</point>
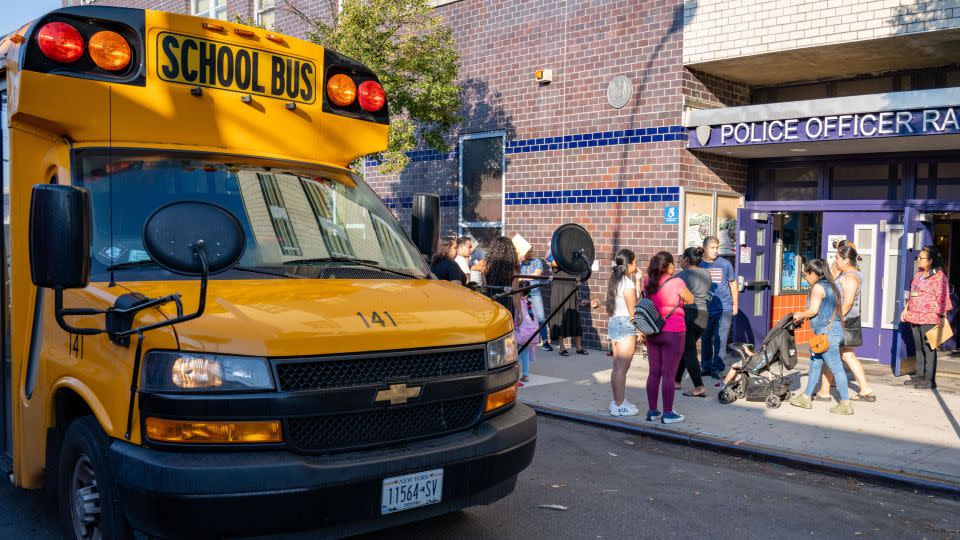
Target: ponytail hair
<point>821,269</point>
<point>849,254</point>
<point>659,264</point>
<point>621,262</point>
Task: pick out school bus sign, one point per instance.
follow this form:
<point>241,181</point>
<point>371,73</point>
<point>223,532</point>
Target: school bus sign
<point>201,62</point>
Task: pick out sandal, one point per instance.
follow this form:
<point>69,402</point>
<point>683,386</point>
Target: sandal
<point>691,394</point>
<point>818,397</point>
<point>525,379</point>
<point>583,352</point>
<point>564,352</point>
<point>868,398</point>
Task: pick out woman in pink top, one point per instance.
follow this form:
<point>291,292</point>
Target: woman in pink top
<point>668,294</point>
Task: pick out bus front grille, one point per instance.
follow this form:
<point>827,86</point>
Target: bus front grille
<point>297,375</point>
<point>382,427</point>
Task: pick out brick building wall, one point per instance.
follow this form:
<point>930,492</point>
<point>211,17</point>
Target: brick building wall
<point>719,29</point>
<point>570,156</point>
<point>553,169</point>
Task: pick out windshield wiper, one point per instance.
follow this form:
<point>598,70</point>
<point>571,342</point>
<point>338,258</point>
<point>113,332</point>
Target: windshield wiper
<point>351,260</point>
<point>147,263</point>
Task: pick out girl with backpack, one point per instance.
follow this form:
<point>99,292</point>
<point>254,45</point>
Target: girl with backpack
<point>665,347</point>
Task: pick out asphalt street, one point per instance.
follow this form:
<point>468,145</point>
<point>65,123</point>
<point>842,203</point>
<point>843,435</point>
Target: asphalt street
<point>617,486</point>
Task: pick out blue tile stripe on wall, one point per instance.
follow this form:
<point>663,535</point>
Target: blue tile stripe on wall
<point>605,138</point>
<point>563,142</point>
<point>406,202</point>
<point>594,196</point>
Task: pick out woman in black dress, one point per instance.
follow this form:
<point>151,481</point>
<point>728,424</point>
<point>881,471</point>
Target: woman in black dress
<point>566,323</point>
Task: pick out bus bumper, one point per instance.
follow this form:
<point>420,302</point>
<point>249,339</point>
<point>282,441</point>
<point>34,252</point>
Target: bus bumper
<point>187,494</point>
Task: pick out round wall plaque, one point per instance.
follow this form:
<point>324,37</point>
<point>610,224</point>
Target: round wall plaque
<point>619,91</point>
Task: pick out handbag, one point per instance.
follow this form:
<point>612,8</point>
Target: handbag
<point>527,326</point>
<point>852,332</point>
<point>646,316</point>
<point>938,335</point>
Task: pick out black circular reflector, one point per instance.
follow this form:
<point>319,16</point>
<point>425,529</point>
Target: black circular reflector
<point>172,232</point>
<point>569,240</point>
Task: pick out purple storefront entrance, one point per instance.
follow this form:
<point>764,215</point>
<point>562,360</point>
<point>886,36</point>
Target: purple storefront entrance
<point>880,170</point>
<point>888,235</point>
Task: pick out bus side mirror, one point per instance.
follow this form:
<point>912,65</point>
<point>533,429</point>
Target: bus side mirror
<point>425,222</point>
<point>60,225</point>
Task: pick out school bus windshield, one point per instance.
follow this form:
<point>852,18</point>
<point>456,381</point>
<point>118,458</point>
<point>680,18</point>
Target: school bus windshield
<point>299,222</point>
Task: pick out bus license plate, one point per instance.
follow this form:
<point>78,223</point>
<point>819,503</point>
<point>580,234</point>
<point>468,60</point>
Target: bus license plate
<point>411,490</point>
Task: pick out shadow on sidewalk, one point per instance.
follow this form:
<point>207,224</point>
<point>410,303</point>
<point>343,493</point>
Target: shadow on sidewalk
<point>902,432</point>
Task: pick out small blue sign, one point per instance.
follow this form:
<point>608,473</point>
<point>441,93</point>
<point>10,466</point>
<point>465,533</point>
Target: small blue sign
<point>671,215</point>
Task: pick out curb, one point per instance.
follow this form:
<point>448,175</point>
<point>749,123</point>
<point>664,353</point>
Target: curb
<point>758,452</point>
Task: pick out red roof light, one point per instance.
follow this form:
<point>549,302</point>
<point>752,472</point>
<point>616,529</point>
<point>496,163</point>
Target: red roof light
<point>371,96</point>
<point>60,42</point>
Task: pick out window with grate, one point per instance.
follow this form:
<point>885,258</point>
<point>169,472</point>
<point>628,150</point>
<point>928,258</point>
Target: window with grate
<point>481,181</point>
<point>787,184</point>
<point>265,12</point>
<point>393,250</point>
<point>286,236</point>
<point>865,181</point>
<point>214,9</point>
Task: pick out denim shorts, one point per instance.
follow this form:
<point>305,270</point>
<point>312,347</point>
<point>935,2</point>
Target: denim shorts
<point>619,328</point>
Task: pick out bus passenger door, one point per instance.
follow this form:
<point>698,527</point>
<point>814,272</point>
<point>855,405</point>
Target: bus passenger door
<point>753,253</point>
<point>6,394</point>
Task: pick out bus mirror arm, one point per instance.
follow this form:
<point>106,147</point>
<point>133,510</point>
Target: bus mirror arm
<point>119,321</point>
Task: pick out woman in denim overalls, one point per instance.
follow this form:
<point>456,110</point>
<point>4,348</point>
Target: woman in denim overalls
<point>823,310</point>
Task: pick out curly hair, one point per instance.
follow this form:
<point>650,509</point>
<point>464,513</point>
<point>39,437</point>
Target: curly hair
<point>502,262</point>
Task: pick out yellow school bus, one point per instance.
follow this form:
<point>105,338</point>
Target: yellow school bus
<point>211,326</point>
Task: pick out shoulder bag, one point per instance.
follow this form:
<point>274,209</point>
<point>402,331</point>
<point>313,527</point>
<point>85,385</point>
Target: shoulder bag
<point>646,316</point>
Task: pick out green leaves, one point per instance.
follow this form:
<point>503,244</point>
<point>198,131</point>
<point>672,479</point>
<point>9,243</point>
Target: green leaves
<point>411,50</point>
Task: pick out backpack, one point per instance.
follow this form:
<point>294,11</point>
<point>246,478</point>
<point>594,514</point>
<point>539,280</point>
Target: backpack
<point>527,325</point>
<point>646,316</point>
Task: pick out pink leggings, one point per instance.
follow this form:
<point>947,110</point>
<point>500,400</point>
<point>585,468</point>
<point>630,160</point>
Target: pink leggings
<point>664,351</point>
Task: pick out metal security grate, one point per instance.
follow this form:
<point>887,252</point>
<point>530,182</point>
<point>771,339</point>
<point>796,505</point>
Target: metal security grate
<point>320,373</point>
<point>382,427</point>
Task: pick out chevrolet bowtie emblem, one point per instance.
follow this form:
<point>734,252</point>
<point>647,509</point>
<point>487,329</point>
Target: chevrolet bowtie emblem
<point>398,393</point>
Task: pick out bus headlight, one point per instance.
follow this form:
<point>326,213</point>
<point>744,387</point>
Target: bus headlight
<point>173,371</point>
<point>502,352</point>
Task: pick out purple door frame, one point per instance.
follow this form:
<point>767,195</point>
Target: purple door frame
<point>921,232</point>
<point>901,342</point>
<point>882,344</point>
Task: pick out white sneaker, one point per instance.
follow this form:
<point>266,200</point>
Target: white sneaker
<point>624,409</point>
<point>632,409</point>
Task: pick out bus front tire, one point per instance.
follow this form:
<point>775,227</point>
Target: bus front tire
<point>86,492</point>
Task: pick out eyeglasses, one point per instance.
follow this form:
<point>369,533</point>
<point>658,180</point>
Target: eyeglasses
<point>922,258</point>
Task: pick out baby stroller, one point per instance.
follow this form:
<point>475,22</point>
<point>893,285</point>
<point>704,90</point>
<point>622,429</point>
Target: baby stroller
<point>754,378</point>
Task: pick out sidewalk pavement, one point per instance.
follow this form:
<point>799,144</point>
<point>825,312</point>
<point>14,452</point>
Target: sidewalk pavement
<point>910,435</point>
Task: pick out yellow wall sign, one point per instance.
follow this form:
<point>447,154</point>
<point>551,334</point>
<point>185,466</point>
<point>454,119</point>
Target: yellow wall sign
<point>195,61</point>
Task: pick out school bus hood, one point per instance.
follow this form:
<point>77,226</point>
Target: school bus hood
<point>291,317</point>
